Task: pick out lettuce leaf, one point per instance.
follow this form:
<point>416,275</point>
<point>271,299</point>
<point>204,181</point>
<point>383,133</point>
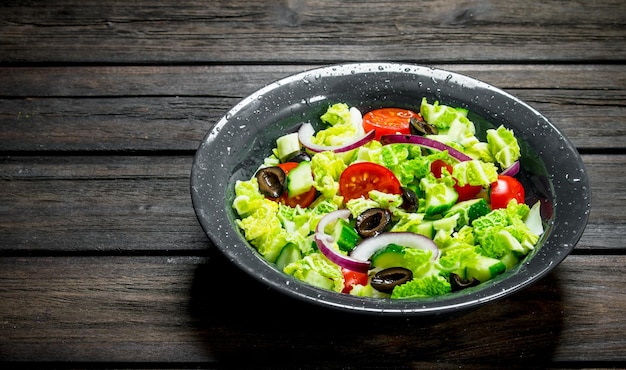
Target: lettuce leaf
<point>442,116</point>
<point>503,146</point>
<point>475,172</point>
<point>341,128</point>
<point>503,231</point>
<point>327,168</point>
<point>317,270</point>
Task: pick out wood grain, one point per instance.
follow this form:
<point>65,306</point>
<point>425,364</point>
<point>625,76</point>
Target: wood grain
<point>172,108</point>
<point>103,103</point>
<point>111,309</point>
<point>311,31</point>
<point>142,203</point>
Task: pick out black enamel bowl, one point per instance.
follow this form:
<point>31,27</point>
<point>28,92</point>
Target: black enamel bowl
<point>552,171</point>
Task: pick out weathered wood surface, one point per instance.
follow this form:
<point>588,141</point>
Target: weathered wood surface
<point>142,203</point>
<point>171,108</point>
<point>299,31</point>
<point>103,103</point>
<point>201,309</point>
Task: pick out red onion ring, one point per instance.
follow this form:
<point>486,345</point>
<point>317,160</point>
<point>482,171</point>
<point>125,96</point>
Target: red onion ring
<point>512,170</point>
<point>306,132</point>
<point>325,244</point>
<point>369,246</point>
<point>426,143</point>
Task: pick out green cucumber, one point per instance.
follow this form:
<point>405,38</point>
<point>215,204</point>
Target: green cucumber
<point>345,235</point>
<point>389,256</point>
<point>287,145</point>
<point>300,179</point>
<point>426,228</point>
<point>290,253</point>
<point>468,211</point>
<point>316,279</point>
<point>447,223</point>
<point>484,268</point>
<point>439,197</point>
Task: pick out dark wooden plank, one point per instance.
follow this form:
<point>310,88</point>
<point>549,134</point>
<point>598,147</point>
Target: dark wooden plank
<point>591,120</point>
<point>172,108</point>
<point>236,81</point>
<point>77,124</point>
<point>99,204</point>
<point>164,309</point>
<point>137,203</point>
<point>312,31</point>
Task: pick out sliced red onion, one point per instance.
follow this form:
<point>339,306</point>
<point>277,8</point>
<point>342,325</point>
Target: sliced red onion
<point>369,246</point>
<point>426,143</point>
<point>512,170</point>
<point>325,243</point>
<point>306,132</point>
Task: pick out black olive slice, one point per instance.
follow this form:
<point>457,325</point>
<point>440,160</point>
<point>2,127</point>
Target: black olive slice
<point>373,222</point>
<point>409,200</point>
<point>300,156</point>
<point>420,127</point>
<point>271,181</point>
<point>458,283</point>
<point>387,279</point>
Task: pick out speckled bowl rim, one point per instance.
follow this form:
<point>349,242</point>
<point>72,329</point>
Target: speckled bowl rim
<point>236,144</point>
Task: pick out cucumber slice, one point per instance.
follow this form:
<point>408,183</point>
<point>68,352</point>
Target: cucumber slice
<point>345,235</point>
<point>287,145</point>
<point>300,179</point>
<point>484,268</point>
<point>426,228</point>
<point>448,223</point>
<point>315,279</point>
<point>439,197</point>
<point>389,256</point>
<point>290,253</point>
<point>468,211</point>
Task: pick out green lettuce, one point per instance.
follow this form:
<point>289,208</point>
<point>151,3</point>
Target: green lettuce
<point>247,197</point>
<point>340,128</point>
<point>317,270</point>
<point>428,286</point>
<point>441,116</point>
<point>337,114</point>
<point>264,231</point>
<point>327,168</point>
<point>475,172</point>
<point>503,231</point>
<point>503,146</point>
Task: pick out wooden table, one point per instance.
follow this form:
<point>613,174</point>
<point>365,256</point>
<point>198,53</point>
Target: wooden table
<point>103,104</point>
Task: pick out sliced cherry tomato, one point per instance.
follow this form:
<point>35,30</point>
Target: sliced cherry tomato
<point>388,121</point>
<point>358,179</point>
<point>352,278</point>
<point>288,166</point>
<point>437,166</point>
<point>465,192</point>
<point>504,190</point>
<point>303,200</point>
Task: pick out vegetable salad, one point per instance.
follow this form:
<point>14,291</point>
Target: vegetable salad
<point>391,203</point>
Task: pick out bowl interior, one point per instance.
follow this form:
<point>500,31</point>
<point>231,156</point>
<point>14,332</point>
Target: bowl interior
<point>552,171</point>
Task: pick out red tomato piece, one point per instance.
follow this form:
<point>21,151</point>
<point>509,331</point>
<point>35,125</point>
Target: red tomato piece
<point>358,179</point>
<point>504,190</point>
<point>288,166</point>
<point>437,166</point>
<point>303,200</point>
<point>465,192</point>
<point>352,278</point>
<point>387,121</point>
